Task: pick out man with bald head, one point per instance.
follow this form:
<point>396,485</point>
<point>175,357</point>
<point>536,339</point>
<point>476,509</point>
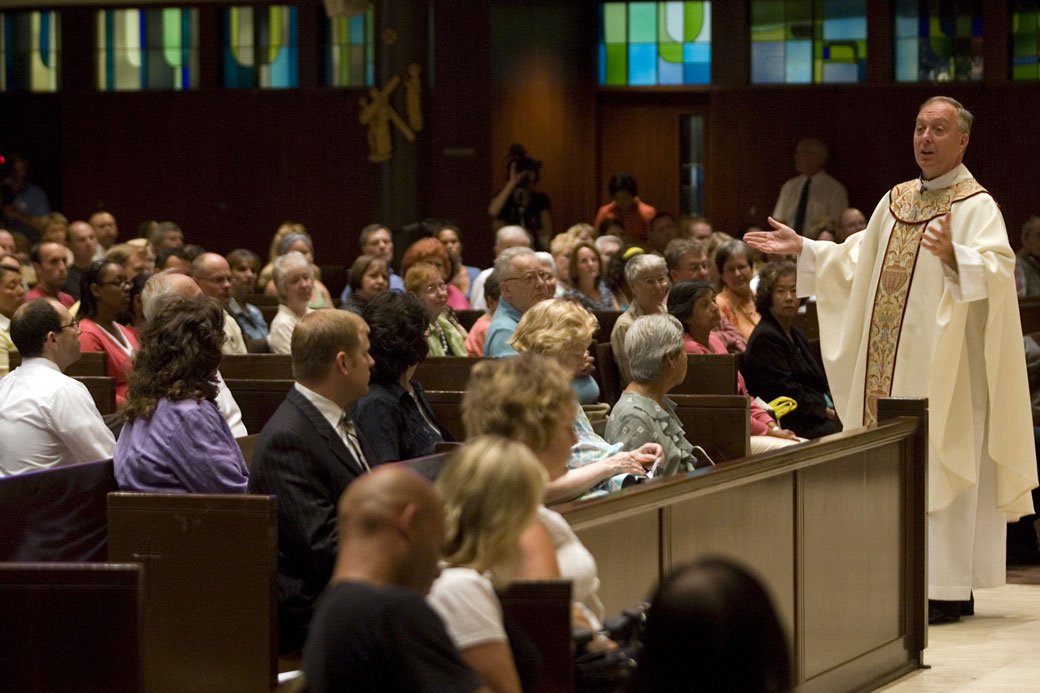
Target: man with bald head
<point>307,454</point>
<point>372,628</point>
<point>171,283</point>
<point>812,195</point>
<point>82,241</point>
<point>213,274</point>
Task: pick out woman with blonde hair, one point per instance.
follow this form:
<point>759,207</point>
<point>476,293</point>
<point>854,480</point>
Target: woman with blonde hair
<point>492,489</point>
<point>562,330</point>
<point>447,337</point>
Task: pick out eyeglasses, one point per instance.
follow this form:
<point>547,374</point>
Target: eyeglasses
<point>531,277</point>
<point>435,288</point>
<point>117,282</point>
<point>74,325</point>
<point>655,281</point>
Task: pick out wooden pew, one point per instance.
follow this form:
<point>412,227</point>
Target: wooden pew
<point>256,367</point>
<point>468,317</point>
<point>210,608</point>
<point>706,374</point>
<point>56,514</point>
<point>834,527</point>
<point>258,399</point>
<point>606,320</point>
<point>88,363</point>
<point>1029,313</point>
<point>102,390</point>
<point>541,610</point>
<point>71,627</point>
<point>448,373</point>
<point>720,424</point>
<point>447,408</point>
<point>606,373</point>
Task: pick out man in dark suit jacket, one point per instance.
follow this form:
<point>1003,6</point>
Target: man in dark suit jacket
<point>307,454</point>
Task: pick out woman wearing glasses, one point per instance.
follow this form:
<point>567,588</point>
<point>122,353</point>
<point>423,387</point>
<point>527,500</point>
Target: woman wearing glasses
<point>104,294</point>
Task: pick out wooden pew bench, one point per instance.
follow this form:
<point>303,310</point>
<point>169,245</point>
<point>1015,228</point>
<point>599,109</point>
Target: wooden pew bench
<point>88,363</point>
<point>706,374</point>
<point>258,399</point>
<point>256,367</point>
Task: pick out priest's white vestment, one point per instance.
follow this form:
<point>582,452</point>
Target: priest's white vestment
<point>895,321</point>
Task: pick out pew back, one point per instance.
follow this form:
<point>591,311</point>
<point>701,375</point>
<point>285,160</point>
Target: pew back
<point>71,627</point>
<point>256,366</point>
<point>450,373</point>
<point>88,363</point>
<point>210,563</point>
<point>541,610</point>
<point>721,424</point>
<point>258,399</point>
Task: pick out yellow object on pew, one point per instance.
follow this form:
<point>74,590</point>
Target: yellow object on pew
<point>782,406</point>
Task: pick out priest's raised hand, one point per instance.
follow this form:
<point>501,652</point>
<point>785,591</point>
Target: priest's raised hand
<point>782,240</point>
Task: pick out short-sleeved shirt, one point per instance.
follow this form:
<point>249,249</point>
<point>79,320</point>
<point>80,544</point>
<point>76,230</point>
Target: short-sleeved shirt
<point>369,638</point>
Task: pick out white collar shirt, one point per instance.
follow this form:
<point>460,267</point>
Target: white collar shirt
<point>337,418</point>
<point>48,419</point>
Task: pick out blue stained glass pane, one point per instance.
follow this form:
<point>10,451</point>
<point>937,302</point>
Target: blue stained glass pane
<point>696,52</point>
<point>601,63</point>
<point>906,26</point>
<point>642,63</point>
<point>840,72</point>
<point>695,73</point>
<point>798,69</point>
<point>906,60</point>
<point>844,28</point>
<point>668,72</point>
<point>767,62</point>
<point>357,29</point>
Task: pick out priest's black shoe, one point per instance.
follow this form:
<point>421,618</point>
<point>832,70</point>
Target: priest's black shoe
<point>942,611</point>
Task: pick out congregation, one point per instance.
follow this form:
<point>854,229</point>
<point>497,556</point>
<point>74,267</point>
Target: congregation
<point>574,342</point>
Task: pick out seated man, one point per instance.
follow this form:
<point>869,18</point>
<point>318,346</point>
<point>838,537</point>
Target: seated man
<point>49,261</point>
<point>213,275</point>
<point>307,454</point>
<point>372,629</point>
<point>47,419</point>
<point>522,283</point>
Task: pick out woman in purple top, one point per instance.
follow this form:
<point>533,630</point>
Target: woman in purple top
<point>175,439</point>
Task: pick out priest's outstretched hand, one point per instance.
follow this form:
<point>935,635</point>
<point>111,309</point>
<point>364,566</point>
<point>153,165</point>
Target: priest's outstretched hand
<point>939,240</point>
<point>782,240</point>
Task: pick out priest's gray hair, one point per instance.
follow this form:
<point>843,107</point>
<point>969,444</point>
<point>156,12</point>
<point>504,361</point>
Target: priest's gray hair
<point>964,116</point>
<point>648,342</point>
<point>640,265</point>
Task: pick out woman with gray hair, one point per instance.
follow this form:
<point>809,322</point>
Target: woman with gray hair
<point>302,243</point>
<point>657,362</point>
<point>647,278</point>
<point>294,281</point>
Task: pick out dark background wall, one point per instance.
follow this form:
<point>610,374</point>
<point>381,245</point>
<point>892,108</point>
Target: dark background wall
<point>230,165</point>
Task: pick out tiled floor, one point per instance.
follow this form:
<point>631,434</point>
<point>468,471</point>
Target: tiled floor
<point>997,650</point>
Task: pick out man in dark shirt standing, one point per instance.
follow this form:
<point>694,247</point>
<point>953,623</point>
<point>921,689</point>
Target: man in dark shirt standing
<point>372,629</point>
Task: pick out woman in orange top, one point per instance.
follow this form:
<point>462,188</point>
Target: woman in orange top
<point>736,301</point>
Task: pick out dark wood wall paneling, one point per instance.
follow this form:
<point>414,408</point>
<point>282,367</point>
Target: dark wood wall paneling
<point>230,165</point>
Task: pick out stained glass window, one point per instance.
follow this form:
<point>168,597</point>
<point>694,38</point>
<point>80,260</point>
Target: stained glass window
<point>259,47</point>
<point>806,41</point>
<point>938,41</point>
<point>350,55</point>
<point>654,43</point>
<point>148,49</point>
<point>30,50</point>
<point>1025,51</point>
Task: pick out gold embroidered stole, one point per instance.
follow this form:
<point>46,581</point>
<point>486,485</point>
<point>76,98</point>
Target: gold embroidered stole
<point>913,210</point>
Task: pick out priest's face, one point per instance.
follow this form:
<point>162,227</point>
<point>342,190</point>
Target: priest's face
<point>939,143</point>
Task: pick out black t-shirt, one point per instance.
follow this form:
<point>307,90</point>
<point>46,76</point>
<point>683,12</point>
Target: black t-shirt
<point>368,638</point>
<point>530,217</point>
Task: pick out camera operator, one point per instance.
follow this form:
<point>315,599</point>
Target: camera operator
<point>518,204</point>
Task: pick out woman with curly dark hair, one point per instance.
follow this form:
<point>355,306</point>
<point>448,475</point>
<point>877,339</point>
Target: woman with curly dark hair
<point>104,295</point>
<point>394,416</point>
<point>174,438</point>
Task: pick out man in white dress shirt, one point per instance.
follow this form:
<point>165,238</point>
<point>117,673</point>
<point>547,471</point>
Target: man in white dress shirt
<point>812,195</point>
<point>47,419</point>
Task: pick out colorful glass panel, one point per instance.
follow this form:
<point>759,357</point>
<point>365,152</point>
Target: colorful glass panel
<point>148,49</point>
<point>259,45</point>
<point>938,41</point>
<point>350,56</point>
<point>807,41</point>
<point>654,43</point>
<point>30,51</point>
<point>1025,51</point>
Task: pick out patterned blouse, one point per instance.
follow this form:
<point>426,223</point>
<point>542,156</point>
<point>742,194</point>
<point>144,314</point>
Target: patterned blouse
<point>606,301</point>
<point>637,419</point>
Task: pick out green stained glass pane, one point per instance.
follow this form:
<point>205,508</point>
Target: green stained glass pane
<point>617,64</point>
<point>693,20</point>
<point>642,22</point>
<point>615,22</point>
<point>1024,72</point>
<point>672,52</point>
<point>766,12</point>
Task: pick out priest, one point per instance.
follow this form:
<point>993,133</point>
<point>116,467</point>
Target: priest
<point>923,304</point>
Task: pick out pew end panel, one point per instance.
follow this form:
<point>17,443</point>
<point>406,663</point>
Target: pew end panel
<point>721,424</point>
<point>447,408</point>
<point>210,564</point>
<point>71,627</point>
<point>541,610</point>
<point>709,374</point>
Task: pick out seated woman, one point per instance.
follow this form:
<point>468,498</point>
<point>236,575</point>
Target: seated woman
<point>722,607</point>
<point>585,272</point>
<point>492,489</point>
<point>562,330</point>
<point>175,440</point>
<point>433,251</point>
<point>12,295</point>
<point>657,362</point>
<point>736,301</point>
<point>462,276</point>
<point>394,417</point>
<point>447,337</point>
<point>244,265</point>
<point>778,361</point>
<point>692,303</point>
<point>528,398</point>
<point>368,276</point>
<point>293,278</point>
<point>478,332</point>
<point>301,243</point>
<point>104,295</point>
